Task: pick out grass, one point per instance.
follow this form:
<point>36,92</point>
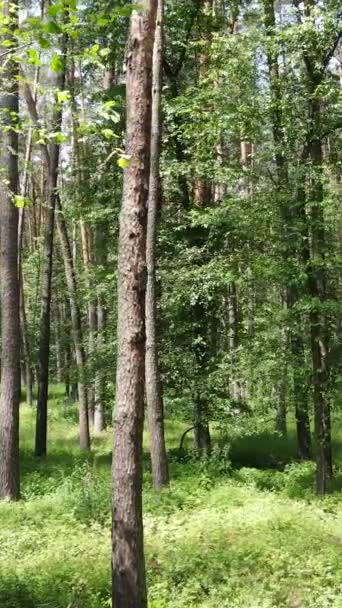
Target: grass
<point>222,536</point>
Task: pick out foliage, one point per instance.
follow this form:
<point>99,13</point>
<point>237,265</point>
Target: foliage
<point>218,536</point>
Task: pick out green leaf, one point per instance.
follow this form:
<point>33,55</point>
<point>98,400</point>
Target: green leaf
<point>52,28</point>
<point>33,57</point>
<point>55,9</point>
<point>57,63</point>
<point>102,21</point>
<point>124,161</point>
<point>126,11</point>
<point>109,133</point>
<point>21,201</point>
<point>63,96</point>
<point>43,42</point>
<point>58,136</point>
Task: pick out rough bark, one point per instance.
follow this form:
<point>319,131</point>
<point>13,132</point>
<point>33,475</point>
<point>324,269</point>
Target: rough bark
<point>76,326</point>
<point>129,579</point>
<point>10,325</point>
<point>154,394</point>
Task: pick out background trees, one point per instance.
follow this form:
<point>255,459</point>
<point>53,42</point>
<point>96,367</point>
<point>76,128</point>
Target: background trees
<point>239,287</point>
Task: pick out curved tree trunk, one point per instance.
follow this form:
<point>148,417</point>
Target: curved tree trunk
<point>10,325</point>
<point>154,394</point>
<point>129,579</point>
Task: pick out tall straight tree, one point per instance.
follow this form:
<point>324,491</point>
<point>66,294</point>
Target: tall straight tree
<point>76,326</point>
<point>154,395</point>
<point>316,62</point>
<point>10,326</point>
<point>129,578</point>
<point>292,216</point>
<point>46,273</point>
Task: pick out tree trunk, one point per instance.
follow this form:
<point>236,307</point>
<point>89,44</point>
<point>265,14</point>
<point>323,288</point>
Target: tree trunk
<point>52,155</point>
<point>233,339</point>
<point>202,439</point>
<point>154,393</point>
<point>317,270</point>
<point>99,421</point>
<point>76,326</point>
<point>293,215</point>
<point>88,260</point>
<point>10,325</point>
<point>25,345</point>
<point>58,343</point>
<point>319,332</point>
<point>129,579</point>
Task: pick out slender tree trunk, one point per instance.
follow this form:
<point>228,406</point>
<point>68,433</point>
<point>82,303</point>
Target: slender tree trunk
<point>99,421</point>
<point>46,276</point>
<point>88,260</point>
<point>202,438</point>
<point>10,325</point>
<point>59,345</point>
<point>26,346</point>
<point>320,339</point>
<point>233,338</point>
<point>317,270</point>
<point>154,394</point>
<point>76,325</point>
<point>21,230</point>
<point>129,579</point>
<point>292,216</point>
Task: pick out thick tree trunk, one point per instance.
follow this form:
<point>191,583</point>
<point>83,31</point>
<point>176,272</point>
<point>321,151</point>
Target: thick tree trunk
<point>76,326</point>
<point>129,579</point>
<point>154,393</point>
<point>52,156</point>
<point>10,325</point>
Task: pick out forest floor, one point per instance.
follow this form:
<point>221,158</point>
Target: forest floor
<point>222,536</point>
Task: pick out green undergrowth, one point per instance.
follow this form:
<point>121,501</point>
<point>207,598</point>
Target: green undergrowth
<point>223,535</point>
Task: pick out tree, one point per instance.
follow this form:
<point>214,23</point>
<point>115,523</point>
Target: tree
<point>10,325</point>
<point>129,581</point>
<point>76,325</point>
<point>47,265</point>
<point>291,213</point>
<point>154,395</point>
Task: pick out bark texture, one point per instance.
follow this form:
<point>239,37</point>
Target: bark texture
<point>154,394</point>
<point>129,579</point>
<point>10,326</point>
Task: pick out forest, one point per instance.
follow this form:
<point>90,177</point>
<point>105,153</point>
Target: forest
<point>170,303</point>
